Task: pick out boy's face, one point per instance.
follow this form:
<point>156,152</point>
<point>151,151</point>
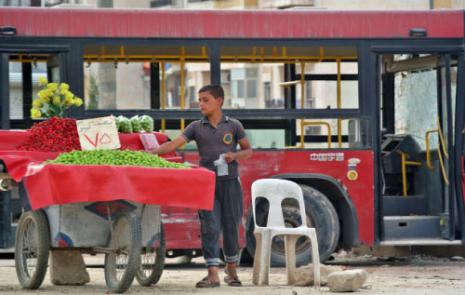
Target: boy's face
<point>208,103</point>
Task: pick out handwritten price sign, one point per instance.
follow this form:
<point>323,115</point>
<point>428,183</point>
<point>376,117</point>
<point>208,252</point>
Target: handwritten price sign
<point>98,134</point>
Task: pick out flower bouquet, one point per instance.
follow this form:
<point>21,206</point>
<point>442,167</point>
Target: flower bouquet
<point>53,99</point>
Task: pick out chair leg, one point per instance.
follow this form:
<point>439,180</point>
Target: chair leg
<point>315,259</point>
<point>257,262</point>
<point>290,242</point>
<point>266,256</point>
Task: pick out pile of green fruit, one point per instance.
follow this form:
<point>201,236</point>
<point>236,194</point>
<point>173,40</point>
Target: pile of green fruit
<point>115,157</point>
<point>134,124</point>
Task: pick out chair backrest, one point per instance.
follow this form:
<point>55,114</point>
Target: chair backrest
<point>275,191</point>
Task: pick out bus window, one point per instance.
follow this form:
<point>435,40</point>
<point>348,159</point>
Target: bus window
<point>259,138</point>
<point>323,95</point>
<point>323,133</point>
<point>266,139</point>
<point>321,91</point>
<point>195,75</point>
<point>252,86</point>
<point>241,84</point>
<point>38,69</point>
<point>116,85</point>
<point>173,133</point>
<point>416,91</point>
<point>119,76</point>
<point>255,77</point>
<point>16,90</point>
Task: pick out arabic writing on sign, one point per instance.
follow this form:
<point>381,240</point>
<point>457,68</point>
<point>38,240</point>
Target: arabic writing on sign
<point>327,157</point>
<point>98,133</point>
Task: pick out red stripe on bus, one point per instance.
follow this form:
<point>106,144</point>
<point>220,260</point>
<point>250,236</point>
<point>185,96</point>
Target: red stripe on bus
<point>37,22</point>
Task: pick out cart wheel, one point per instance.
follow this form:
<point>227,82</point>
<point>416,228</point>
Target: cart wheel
<point>151,263</point>
<point>32,249</point>
<point>122,264</point>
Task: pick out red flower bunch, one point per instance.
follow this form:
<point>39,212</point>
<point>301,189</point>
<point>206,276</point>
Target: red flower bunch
<point>53,135</point>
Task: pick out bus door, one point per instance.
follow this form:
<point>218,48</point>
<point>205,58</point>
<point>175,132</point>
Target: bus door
<point>459,152</point>
<point>418,203</point>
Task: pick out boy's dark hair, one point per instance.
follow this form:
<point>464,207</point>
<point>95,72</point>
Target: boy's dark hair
<point>215,90</point>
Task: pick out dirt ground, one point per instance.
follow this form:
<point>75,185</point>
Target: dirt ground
<point>414,275</point>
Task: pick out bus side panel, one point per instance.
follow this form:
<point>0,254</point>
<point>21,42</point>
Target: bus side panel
<point>336,164</point>
<point>330,163</point>
<point>182,228</point>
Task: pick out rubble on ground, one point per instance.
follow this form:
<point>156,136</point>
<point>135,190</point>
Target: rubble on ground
<point>67,267</point>
<point>304,274</point>
<point>347,280</point>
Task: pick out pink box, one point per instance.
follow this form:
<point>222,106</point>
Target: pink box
<point>149,141</point>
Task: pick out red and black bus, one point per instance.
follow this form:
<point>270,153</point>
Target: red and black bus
<point>364,110</point>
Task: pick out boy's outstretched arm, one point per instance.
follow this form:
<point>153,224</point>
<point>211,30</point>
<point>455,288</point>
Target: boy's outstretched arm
<point>170,146</point>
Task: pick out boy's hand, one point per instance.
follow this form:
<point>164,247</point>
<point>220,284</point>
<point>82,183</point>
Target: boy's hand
<point>169,146</point>
<point>229,157</point>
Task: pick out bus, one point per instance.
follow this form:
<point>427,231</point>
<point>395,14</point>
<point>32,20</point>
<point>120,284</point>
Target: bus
<point>363,109</point>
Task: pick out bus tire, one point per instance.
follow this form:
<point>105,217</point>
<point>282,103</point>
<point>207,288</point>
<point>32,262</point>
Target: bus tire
<point>320,214</point>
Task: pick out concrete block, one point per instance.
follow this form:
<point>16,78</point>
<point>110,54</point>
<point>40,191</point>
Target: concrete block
<point>67,268</point>
<point>304,274</point>
<point>347,281</point>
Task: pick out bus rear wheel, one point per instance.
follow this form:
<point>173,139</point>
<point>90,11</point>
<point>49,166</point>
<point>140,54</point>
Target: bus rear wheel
<point>320,214</point>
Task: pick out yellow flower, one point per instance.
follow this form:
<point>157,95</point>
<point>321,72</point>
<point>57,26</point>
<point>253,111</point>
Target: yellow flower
<point>46,99</point>
<point>64,88</point>
<point>69,95</point>
<point>52,86</point>
<point>69,101</point>
<point>42,81</point>
<point>42,94</point>
<point>78,102</point>
<point>65,92</point>
<point>56,100</point>
<point>35,113</point>
<point>37,103</point>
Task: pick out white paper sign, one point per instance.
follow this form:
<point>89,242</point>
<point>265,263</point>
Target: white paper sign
<point>98,134</point>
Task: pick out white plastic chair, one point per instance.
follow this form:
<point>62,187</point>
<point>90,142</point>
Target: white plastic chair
<point>275,191</point>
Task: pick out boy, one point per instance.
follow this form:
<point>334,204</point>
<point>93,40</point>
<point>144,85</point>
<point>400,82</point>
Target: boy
<point>216,134</point>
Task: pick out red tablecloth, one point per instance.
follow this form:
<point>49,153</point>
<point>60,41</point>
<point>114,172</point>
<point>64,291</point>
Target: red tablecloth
<point>61,184</point>
<point>17,161</point>
<point>11,139</point>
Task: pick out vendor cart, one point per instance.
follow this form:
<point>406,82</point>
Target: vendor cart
<point>129,234</point>
<point>106,209</point>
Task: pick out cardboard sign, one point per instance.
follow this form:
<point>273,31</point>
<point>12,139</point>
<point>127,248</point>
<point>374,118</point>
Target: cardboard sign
<point>98,134</point>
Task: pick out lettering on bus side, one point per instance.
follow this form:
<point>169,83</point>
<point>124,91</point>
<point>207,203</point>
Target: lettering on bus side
<point>327,157</point>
